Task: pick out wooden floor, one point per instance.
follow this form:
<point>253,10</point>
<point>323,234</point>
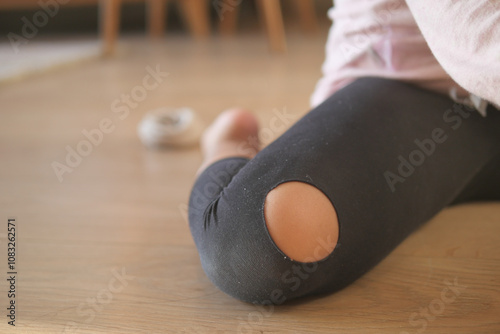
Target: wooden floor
<point>108,249</point>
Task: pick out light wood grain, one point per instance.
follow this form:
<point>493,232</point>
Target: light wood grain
<point>124,207</point>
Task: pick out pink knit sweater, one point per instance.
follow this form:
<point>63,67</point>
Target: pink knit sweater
<point>450,46</point>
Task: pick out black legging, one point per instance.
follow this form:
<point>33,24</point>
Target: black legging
<point>387,154</point>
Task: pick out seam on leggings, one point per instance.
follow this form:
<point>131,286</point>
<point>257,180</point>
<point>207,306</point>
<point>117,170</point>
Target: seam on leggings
<point>211,209</point>
<point>269,235</point>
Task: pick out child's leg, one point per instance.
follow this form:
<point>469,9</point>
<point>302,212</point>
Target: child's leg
<point>485,186</point>
<point>385,155</point>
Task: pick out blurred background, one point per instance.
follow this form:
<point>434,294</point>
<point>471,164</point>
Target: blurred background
<point>52,33</point>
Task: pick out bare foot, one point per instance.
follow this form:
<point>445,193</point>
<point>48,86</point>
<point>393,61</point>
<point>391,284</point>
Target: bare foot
<point>234,133</point>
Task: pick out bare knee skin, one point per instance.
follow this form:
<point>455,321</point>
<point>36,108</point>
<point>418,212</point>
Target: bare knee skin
<point>301,221</point>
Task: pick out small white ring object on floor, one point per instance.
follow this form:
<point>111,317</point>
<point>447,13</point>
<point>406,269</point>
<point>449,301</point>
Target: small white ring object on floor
<point>165,127</point>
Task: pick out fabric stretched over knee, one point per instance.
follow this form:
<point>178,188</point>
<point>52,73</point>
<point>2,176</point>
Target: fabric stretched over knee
<point>388,155</point>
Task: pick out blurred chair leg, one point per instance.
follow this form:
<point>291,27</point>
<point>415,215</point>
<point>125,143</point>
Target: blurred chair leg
<point>228,22</point>
<point>271,12</point>
<point>156,17</point>
<point>197,16</point>
<point>307,15</point>
<point>109,12</point>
